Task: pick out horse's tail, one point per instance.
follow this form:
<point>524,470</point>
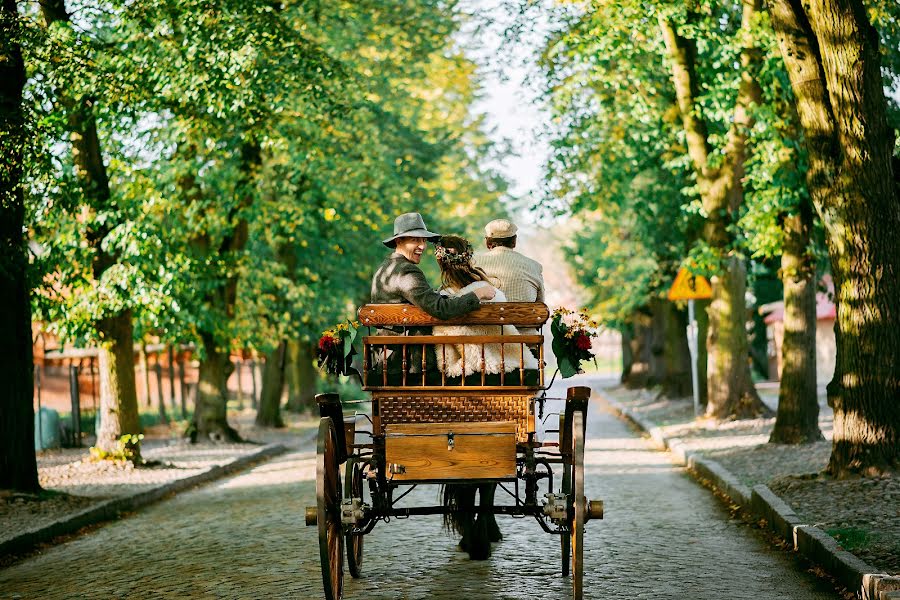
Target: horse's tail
<point>460,499</point>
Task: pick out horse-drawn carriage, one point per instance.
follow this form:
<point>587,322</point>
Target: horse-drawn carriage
<point>431,428</point>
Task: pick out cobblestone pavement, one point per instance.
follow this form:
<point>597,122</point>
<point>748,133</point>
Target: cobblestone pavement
<point>244,537</point>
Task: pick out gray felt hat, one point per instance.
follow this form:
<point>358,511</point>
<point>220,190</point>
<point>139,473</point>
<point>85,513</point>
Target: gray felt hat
<point>410,225</point>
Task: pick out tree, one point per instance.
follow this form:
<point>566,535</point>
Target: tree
<point>113,331</point>
<point>720,185</point>
<point>18,467</point>
<point>832,53</point>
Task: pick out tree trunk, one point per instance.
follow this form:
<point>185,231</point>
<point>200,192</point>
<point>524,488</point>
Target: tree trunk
<point>832,56</point>
<point>211,410</point>
<point>676,381</point>
<point>210,419</point>
<point>627,333</point>
<point>731,393</point>
<point>269,413</point>
<point>730,390</point>
<point>116,367</point>
<point>302,376</point>
<point>145,370</point>
<point>640,343</point>
<point>797,421</point>
<point>18,467</point>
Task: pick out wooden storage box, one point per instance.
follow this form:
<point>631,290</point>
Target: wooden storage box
<point>451,451</point>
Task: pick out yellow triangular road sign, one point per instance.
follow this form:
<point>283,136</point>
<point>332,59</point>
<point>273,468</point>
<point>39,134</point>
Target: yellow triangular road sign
<point>688,286</point>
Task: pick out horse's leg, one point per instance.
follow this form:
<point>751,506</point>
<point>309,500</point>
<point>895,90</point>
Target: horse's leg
<point>460,497</point>
<point>487,491</point>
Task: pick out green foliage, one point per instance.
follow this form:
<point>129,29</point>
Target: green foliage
<point>126,449</point>
<point>257,153</point>
<point>621,164</point>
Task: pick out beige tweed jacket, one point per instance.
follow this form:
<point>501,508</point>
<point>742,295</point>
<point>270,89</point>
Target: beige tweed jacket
<point>518,276</point>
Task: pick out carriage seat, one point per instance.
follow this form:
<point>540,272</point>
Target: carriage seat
<point>401,355</point>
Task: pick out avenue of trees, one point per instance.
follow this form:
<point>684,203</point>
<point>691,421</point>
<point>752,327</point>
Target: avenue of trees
<point>222,173</point>
<point>218,174</point>
<point>735,138</point>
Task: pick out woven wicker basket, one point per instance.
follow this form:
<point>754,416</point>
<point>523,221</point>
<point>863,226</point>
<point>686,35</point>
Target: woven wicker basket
<point>446,407</point>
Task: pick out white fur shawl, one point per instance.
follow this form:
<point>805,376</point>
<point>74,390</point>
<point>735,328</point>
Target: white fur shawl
<point>449,356</point>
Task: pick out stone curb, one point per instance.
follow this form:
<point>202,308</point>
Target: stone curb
<point>809,541</point>
<point>112,508</point>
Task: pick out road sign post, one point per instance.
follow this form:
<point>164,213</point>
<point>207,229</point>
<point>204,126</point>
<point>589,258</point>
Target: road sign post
<point>691,287</point>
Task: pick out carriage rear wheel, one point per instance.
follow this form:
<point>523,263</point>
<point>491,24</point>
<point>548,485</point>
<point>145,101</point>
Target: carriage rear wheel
<point>328,505</point>
<point>579,505</point>
<point>354,484</point>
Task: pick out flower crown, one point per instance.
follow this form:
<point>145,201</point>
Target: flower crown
<point>451,255</point>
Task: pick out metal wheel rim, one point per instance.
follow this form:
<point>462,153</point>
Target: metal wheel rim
<point>579,504</point>
<point>328,503</point>
<point>353,487</point>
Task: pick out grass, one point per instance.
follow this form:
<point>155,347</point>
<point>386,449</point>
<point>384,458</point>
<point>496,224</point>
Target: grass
<point>850,538</point>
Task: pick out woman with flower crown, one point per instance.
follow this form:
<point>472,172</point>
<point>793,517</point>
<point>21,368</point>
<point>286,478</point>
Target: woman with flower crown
<point>460,277</point>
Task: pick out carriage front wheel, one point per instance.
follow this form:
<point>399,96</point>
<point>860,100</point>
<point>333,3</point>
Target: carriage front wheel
<point>328,510</point>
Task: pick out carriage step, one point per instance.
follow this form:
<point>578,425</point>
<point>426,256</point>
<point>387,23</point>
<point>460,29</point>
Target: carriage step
<point>312,516</point>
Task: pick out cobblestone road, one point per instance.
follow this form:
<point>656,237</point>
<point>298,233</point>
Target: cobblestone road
<point>663,537</point>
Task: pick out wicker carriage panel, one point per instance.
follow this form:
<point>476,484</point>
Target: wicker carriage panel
<point>449,408</point>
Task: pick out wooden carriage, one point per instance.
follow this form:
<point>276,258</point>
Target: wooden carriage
<point>430,428</point>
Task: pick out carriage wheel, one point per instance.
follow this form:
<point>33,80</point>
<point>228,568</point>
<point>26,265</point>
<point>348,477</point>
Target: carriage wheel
<point>328,504</point>
<point>566,488</point>
<point>354,480</point>
<point>580,504</point>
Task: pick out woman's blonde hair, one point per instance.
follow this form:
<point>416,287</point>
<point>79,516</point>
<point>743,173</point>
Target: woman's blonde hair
<point>454,256</point>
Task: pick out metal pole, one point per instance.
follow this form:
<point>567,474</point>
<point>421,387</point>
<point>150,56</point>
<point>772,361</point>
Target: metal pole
<point>692,347</point>
<point>76,406</point>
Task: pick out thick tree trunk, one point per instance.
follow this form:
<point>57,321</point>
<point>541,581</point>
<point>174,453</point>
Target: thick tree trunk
<point>302,376</point>
<point>731,393</point>
<point>269,413</point>
<point>832,56</point>
<point>730,390</point>
<point>116,368</point>
<point>211,410</point>
<point>797,421</point>
<point>18,467</point>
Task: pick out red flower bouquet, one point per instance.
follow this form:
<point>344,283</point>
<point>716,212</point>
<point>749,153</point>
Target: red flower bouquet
<point>572,343</point>
<point>335,348</point>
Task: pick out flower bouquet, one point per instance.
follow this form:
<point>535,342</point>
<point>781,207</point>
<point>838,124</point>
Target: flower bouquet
<point>572,333</point>
<point>335,348</point>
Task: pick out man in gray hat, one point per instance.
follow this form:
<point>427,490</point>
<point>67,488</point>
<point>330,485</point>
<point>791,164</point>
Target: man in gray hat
<point>518,276</point>
<point>399,279</point>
